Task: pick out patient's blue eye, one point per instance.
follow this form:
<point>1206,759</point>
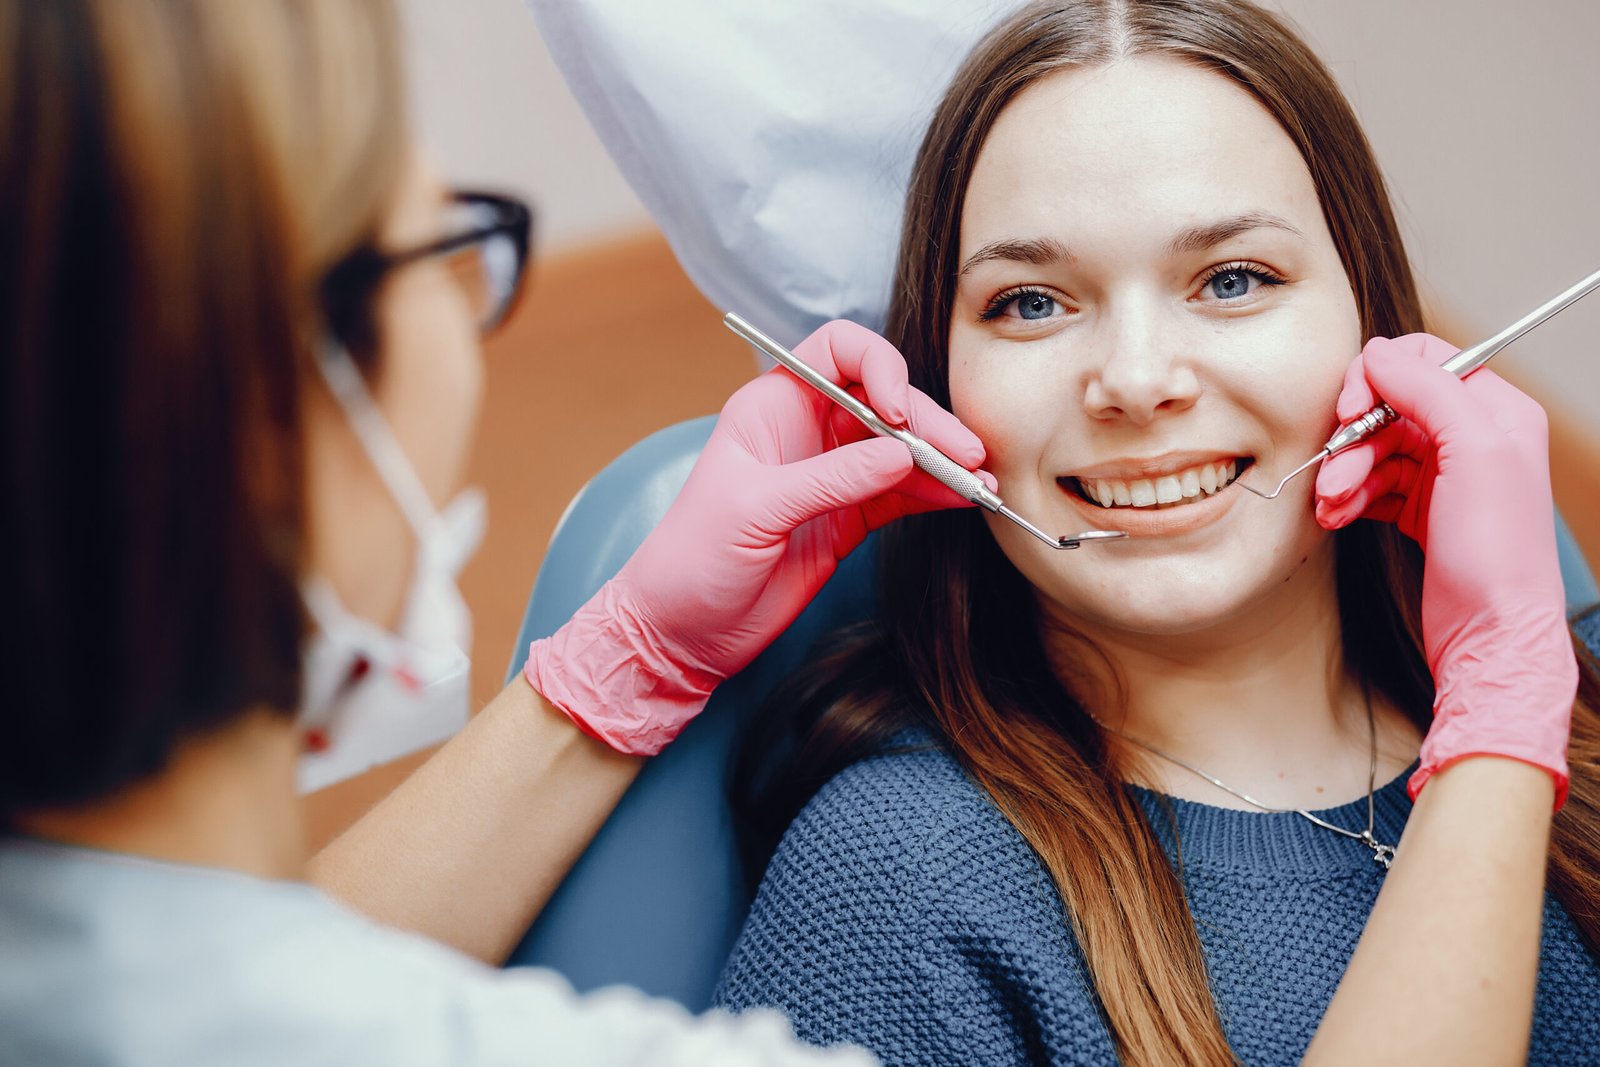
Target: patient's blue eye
<point>1024,304</point>
<point>1034,306</point>
<point>1231,284</point>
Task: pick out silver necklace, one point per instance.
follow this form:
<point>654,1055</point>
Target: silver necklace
<point>1382,855</point>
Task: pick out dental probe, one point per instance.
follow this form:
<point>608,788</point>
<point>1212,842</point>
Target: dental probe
<point>926,457</point>
<point>1461,364</point>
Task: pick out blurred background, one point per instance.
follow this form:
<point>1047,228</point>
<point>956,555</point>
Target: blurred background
<point>1481,113</point>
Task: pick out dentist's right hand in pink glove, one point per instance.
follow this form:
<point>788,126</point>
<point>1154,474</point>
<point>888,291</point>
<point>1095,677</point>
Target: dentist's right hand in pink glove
<point>786,487</point>
<point>1466,474</point>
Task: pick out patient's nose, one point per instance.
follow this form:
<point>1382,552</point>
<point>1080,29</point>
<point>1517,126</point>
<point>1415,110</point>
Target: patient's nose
<point>1142,371</point>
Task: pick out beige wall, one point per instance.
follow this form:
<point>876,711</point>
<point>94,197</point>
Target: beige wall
<point>494,110</point>
<point>1482,112</point>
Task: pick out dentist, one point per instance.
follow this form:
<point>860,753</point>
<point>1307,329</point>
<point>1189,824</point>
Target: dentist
<point>241,330</point>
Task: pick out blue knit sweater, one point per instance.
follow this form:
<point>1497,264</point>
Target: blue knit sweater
<point>903,912</point>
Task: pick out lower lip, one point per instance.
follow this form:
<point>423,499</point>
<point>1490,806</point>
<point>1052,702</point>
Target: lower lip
<point>1154,521</point>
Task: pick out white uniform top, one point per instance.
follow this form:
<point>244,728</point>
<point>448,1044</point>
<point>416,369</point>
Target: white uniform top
<point>111,959</point>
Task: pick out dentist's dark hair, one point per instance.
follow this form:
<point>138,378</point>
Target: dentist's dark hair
<point>957,649</point>
<point>177,177</point>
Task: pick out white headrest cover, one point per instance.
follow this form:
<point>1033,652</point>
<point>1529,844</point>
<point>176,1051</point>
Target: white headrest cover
<point>772,142</point>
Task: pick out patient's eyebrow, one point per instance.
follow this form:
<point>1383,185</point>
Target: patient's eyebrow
<point>1200,238</point>
<point>1039,251</point>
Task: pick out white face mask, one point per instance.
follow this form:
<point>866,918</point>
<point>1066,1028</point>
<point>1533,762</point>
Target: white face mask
<point>369,694</point>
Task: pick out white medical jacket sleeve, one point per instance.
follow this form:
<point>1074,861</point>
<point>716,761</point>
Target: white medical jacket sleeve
<point>118,960</point>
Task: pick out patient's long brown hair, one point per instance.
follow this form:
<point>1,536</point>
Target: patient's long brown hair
<point>957,650</point>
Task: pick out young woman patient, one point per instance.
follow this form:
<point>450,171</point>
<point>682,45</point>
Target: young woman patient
<point>1143,243</point>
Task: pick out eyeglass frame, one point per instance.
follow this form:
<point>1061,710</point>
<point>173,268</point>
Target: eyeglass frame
<point>347,287</point>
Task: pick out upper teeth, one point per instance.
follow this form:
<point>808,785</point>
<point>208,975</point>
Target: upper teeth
<point>1207,478</point>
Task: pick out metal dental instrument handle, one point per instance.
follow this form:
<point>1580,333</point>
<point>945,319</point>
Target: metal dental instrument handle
<point>1461,364</point>
<point>927,457</point>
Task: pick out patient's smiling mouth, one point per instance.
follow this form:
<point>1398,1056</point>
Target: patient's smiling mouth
<point>1156,484</point>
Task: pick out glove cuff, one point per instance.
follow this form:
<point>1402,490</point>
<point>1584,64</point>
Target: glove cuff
<point>1433,763</point>
<point>606,674</point>
<point>1518,706</point>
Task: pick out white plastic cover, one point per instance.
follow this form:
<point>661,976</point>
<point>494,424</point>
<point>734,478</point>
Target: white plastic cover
<point>771,141</point>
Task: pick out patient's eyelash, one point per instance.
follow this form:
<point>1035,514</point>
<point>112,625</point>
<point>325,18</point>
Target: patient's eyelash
<point>1000,301</point>
<point>1266,274</point>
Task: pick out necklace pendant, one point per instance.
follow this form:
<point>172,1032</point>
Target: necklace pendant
<point>1382,855</point>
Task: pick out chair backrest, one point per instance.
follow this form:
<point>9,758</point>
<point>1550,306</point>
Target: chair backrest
<point>658,898</point>
<point>1582,592</point>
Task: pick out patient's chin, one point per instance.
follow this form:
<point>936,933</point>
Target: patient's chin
<point>1168,613</point>
<point>1224,598</point>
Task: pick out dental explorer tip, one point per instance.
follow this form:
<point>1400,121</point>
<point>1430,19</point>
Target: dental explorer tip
<point>1241,483</point>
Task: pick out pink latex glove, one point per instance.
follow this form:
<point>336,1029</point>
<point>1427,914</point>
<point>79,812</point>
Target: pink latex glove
<point>786,487</point>
<point>1466,473</point>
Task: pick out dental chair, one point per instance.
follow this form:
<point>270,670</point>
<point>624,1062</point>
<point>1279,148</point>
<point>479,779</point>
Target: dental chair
<point>659,896</point>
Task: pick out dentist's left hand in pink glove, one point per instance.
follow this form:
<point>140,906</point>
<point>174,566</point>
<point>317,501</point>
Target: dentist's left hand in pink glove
<point>1466,474</point>
<point>786,487</point>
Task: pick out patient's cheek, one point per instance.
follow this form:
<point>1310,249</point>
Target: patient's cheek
<point>980,403</point>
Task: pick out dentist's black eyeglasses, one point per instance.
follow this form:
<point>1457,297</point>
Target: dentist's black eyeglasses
<point>486,252</point>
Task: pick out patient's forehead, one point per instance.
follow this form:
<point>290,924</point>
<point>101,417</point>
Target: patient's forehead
<point>1118,157</point>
